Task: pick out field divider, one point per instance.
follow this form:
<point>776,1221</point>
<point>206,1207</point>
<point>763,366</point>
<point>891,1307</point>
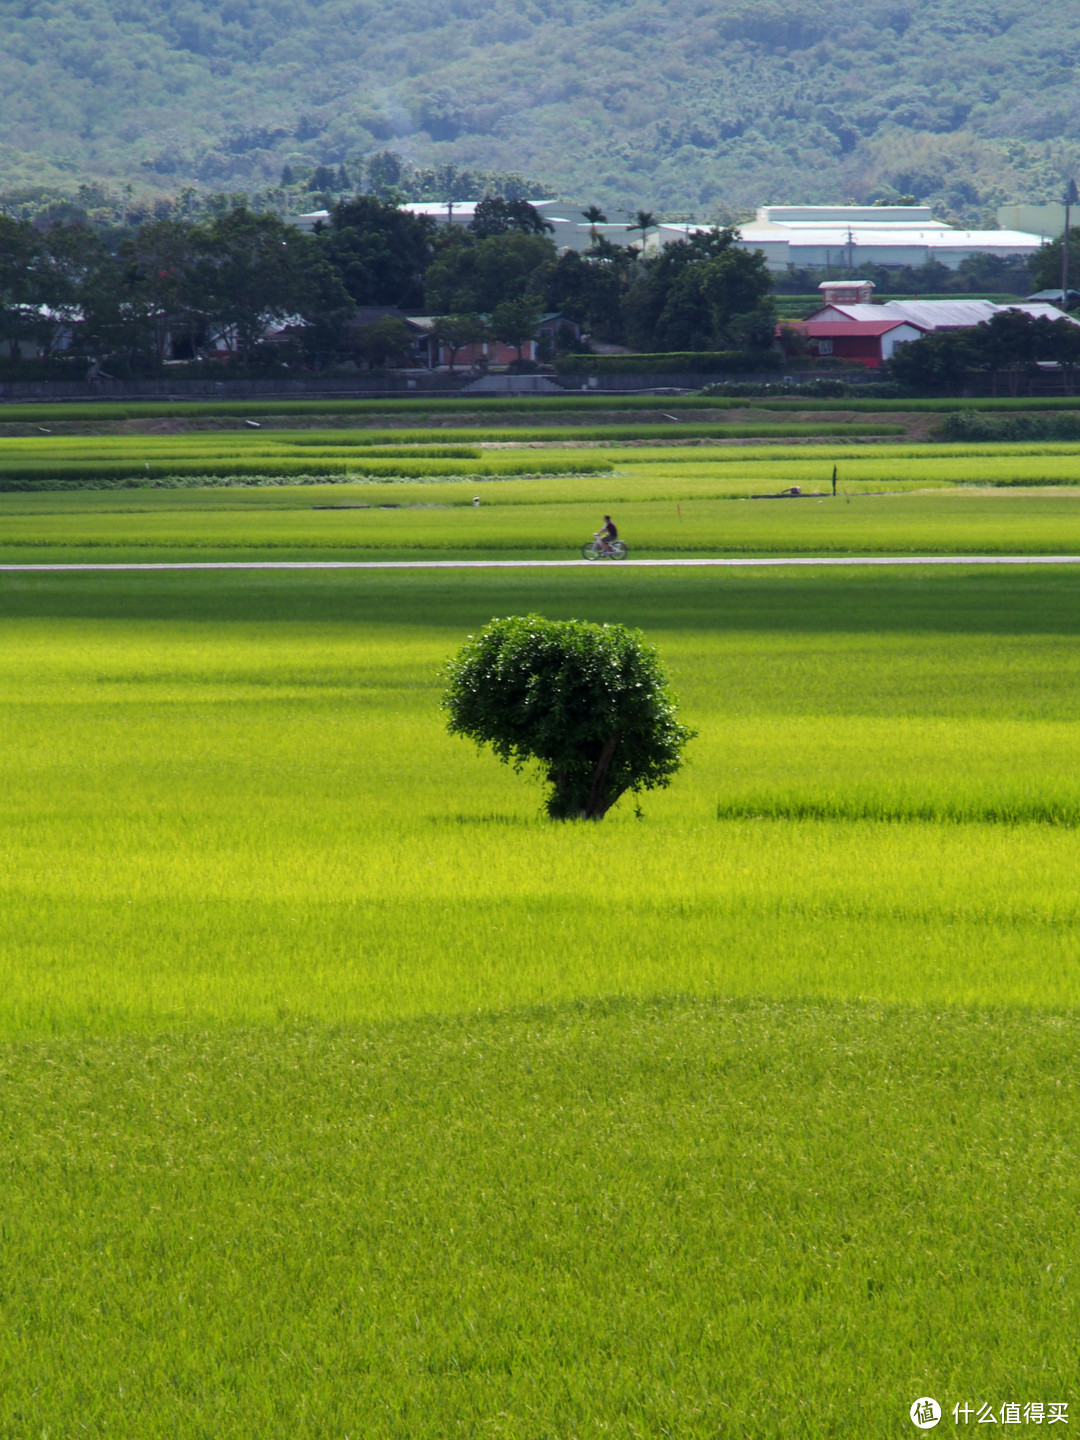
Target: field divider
<point>732,563</point>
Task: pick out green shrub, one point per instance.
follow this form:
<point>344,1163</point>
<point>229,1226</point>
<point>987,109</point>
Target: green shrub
<point>813,389</point>
<point>589,702</point>
<point>687,362</point>
<point>970,425</point>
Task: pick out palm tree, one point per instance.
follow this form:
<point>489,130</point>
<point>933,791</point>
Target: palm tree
<point>644,221</point>
<point>595,216</point>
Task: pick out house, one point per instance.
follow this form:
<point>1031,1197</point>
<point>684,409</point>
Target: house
<point>309,221</point>
<point>480,354</point>
<point>1053,297</point>
<point>937,314</point>
<point>568,230</point>
<point>556,326</point>
<point>863,342</point>
<point>461,212</point>
<point>420,352</point>
<point>849,326</point>
<point>1045,220</point>
<point>45,332</point>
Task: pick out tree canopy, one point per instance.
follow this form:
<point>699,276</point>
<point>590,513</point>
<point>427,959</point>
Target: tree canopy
<point>703,293</point>
<point>173,288</point>
<point>475,275</point>
<point>1046,263</point>
<point>590,703</point>
<point>380,251</point>
<point>495,215</point>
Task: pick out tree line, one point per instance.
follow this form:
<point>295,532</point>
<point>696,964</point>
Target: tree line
<point>172,286</point>
<point>1004,350</point>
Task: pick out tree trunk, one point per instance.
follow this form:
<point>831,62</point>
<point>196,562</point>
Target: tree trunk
<point>596,808</point>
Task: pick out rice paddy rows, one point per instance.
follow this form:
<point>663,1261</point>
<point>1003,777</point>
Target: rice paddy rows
<point>320,451</point>
<point>508,408</point>
<point>287,453</point>
<point>343,1095</point>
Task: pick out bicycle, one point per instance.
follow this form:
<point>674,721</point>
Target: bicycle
<point>612,550</point>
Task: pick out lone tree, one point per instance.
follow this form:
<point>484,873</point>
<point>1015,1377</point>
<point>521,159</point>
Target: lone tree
<point>589,702</point>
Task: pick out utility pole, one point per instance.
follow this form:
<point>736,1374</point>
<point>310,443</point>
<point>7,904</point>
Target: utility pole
<point>1071,198</point>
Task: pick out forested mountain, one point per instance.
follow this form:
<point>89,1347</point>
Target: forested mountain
<point>701,107</point>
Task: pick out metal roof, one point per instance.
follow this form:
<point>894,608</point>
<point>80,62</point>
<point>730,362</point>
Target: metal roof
<point>937,237</point>
<point>930,314</point>
<point>825,329</point>
<point>819,215</point>
<point>1053,297</point>
<point>942,314</point>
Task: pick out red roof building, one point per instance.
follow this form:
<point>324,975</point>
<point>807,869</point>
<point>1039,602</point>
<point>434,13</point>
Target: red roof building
<point>862,342</point>
<point>850,327</point>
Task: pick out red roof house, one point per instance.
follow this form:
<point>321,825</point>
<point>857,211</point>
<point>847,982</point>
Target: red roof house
<point>862,342</point>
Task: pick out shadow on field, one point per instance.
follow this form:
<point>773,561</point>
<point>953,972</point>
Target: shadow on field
<point>518,822</point>
<point>1013,600</point>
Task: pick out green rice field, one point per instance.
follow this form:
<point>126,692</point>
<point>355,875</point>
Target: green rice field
<point>892,502</point>
<point>907,726</point>
<point>46,462</point>
<point>343,1095</point>
<point>486,409</point>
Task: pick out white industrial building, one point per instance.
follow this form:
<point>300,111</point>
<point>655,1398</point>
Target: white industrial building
<point>811,237</point>
<point>844,237</point>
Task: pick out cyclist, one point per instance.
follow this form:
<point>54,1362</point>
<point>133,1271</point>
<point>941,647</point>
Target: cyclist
<point>606,534</point>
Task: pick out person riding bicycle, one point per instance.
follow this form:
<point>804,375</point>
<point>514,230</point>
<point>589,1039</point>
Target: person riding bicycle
<point>606,534</point>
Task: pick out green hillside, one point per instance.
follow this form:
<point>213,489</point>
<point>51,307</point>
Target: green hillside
<point>695,106</point>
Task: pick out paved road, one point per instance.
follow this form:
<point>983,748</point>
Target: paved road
<point>549,564</point>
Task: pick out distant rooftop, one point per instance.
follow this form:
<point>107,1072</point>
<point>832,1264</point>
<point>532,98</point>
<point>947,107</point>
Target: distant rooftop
<point>848,236</point>
<point>454,212</point>
<point>824,216</point>
<point>310,220</point>
<point>458,212</point>
<point>940,314</point>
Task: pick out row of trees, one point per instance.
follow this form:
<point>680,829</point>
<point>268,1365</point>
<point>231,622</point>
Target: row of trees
<point>975,275</point>
<point>1005,349</point>
<point>169,286</point>
<point>703,293</point>
<point>173,284</point>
